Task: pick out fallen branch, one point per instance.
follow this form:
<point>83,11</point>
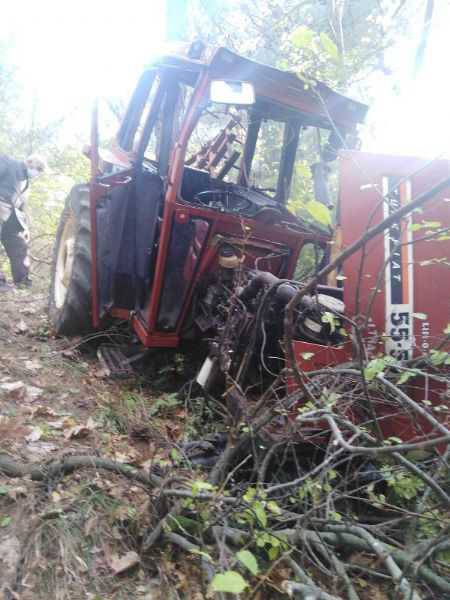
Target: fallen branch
<point>13,468</point>
<point>343,536</point>
<point>307,592</point>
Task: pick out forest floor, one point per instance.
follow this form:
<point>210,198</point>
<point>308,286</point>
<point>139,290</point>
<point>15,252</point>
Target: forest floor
<point>55,402</point>
<point>82,534</point>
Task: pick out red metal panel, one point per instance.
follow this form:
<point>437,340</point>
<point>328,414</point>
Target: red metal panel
<point>406,294</point>
<point>310,357</point>
<point>174,177</point>
<point>425,281</point>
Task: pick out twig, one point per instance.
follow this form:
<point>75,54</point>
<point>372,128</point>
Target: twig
<point>13,468</point>
<point>344,255</point>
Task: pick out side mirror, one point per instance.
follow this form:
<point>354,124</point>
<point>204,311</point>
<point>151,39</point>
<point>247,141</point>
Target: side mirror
<point>231,92</point>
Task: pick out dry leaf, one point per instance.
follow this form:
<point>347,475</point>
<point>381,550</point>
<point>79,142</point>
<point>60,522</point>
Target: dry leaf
<point>39,450</point>
<point>41,411</point>
<point>64,423</point>
<point>90,525</point>
<point>12,386</point>
<point>83,566</point>
<point>34,435</point>
<point>77,432</point>
<point>21,327</point>
<point>32,393</point>
<point>130,457</point>
<point>17,492</point>
<point>33,365</point>
<point>124,563</point>
<point>90,423</point>
<point>9,555</point>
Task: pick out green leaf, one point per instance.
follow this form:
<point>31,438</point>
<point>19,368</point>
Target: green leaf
<point>319,212</point>
<point>421,316</point>
<point>201,486</point>
<point>175,455</point>
<point>330,398</point>
<point>432,224</point>
<point>329,46</point>
<point>5,521</point>
<point>405,376</point>
<point>201,553</point>
<point>3,490</point>
<point>394,440</point>
<point>303,170</point>
<point>273,507</point>
<point>426,224</point>
<point>260,513</point>
<point>329,318</point>
<point>249,494</point>
<point>336,516</point>
<point>439,357</point>
<point>249,561</point>
<point>377,365</point>
<point>230,582</point>
<point>302,37</point>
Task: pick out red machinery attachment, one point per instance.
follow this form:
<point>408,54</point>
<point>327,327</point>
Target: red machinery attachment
<point>398,287</point>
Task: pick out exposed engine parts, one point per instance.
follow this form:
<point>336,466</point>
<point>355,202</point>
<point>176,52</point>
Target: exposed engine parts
<point>242,304</point>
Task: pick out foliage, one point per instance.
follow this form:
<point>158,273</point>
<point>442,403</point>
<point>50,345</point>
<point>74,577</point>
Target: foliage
<point>339,43</point>
<point>230,581</point>
<point>249,561</point>
<point>22,132</point>
<point>403,484</point>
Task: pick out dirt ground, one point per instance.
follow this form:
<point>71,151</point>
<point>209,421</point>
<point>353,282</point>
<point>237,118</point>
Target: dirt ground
<point>55,402</point>
<point>80,535</point>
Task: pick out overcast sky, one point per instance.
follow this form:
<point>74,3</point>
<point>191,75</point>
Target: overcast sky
<point>68,52</point>
<point>415,120</point>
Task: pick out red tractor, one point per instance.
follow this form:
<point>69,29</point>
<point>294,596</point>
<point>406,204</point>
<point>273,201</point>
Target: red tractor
<point>184,229</point>
<point>192,202</point>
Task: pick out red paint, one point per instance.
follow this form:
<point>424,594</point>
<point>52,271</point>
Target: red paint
<point>311,357</point>
<point>428,292</point>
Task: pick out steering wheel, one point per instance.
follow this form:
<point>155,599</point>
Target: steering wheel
<point>268,215</point>
<point>223,199</point>
<point>264,190</point>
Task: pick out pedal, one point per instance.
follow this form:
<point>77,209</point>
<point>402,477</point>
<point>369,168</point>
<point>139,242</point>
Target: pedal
<point>114,362</point>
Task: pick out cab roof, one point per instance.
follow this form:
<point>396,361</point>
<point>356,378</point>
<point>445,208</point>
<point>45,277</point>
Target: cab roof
<point>282,92</point>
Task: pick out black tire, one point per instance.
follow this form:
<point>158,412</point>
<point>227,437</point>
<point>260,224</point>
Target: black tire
<point>69,306</point>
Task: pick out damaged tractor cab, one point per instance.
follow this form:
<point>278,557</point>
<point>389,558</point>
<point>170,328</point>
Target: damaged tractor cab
<point>184,229</point>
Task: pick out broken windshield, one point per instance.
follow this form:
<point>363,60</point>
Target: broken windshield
<point>278,157</point>
<point>221,145</point>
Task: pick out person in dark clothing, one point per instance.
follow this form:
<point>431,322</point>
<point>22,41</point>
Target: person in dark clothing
<point>14,235</point>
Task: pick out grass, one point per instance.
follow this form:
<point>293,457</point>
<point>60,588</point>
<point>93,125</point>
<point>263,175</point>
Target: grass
<point>128,410</point>
<point>76,531</point>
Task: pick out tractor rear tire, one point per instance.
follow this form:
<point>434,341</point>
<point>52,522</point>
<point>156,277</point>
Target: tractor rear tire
<point>69,305</point>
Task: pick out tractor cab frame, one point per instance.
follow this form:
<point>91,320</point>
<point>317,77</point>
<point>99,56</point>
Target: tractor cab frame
<point>166,216</point>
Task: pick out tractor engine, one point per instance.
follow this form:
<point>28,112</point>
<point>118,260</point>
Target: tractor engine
<point>241,313</point>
